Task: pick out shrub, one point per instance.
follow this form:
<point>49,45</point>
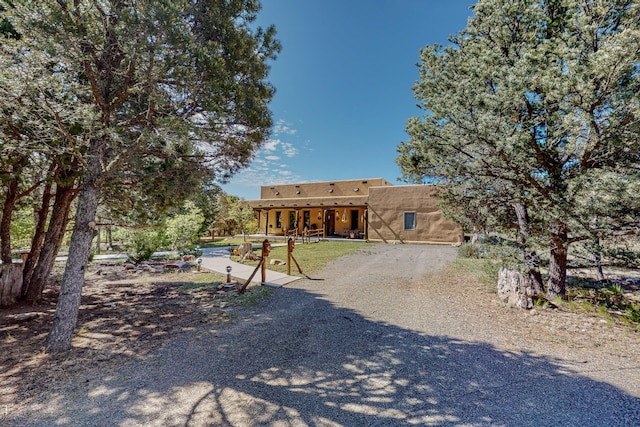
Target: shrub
<point>142,244</point>
<point>182,229</point>
<point>468,250</point>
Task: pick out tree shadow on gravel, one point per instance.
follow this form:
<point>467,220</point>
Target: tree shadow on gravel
<point>304,361</point>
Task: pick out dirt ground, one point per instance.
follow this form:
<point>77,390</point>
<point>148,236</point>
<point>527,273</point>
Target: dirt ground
<point>124,314</point>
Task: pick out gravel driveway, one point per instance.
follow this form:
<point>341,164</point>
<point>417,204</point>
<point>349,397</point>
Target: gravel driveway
<point>373,341</point>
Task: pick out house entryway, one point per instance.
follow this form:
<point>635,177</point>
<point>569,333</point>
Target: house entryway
<point>330,222</point>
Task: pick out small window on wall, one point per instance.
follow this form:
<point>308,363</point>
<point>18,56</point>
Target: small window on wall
<point>278,219</point>
<point>292,220</point>
<point>306,219</point>
<point>409,220</point>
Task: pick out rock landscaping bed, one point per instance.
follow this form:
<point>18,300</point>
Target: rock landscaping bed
<point>126,311</point>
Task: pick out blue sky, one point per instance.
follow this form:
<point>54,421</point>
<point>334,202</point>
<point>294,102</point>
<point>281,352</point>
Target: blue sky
<point>343,86</point>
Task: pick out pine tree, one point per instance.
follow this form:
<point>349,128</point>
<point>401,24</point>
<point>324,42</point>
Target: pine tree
<point>182,78</point>
<point>530,102</point>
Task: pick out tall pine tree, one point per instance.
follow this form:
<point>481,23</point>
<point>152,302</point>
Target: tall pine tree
<point>177,77</point>
<point>530,102</point>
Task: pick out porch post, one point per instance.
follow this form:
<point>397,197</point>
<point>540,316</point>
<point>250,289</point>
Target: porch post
<point>266,224</point>
<point>365,218</point>
<point>324,223</point>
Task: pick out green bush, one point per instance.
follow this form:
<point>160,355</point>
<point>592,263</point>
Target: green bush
<point>467,250</point>
<point>633,311</point>
<point>182,229</point>
<point>507,252</point>
<point>142,244</point>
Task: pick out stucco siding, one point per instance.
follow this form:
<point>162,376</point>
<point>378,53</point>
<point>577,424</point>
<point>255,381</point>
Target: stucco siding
<point>387,208</point>
<point>345,188</point>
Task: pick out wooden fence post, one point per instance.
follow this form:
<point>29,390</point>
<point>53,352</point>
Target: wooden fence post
<point>290,245</point>
<point>266,248</point>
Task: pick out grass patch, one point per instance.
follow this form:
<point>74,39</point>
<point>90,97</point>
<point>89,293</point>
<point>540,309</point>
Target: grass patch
<point>311,257</point>
<point>197,286</point>
<point>251,296</point>
<point>228,241</point>
<point>484,269</point>
<point>610,301</point>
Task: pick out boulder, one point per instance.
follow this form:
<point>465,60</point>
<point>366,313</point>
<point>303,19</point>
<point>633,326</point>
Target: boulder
<point>515,288</point>
<point>23,317</point>
<point>179,265</point>
<point>245,248</point>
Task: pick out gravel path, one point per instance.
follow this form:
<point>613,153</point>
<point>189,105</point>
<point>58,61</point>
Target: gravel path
<point>373,341</point>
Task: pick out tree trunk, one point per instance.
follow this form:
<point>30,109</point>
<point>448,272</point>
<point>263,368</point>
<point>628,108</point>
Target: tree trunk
<point>10,284</point>
<point>531,259</point>
<point>475,236</point>
<point>32,290</point>
<point>66,315</point>
<point>5,223</point>
<point>598,258</point>
<point>109,238</point>
<point>38,238</point>
<point>556,284</point>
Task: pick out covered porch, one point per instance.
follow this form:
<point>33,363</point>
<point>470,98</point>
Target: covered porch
<point>325,218</point>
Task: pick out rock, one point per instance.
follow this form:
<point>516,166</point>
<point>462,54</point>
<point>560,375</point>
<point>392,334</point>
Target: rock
<point>180,265</point>
<point>129,266</point>
<point>276,261</point>
<point>250,256</point>
<point>515,288</point>
<point>245,248</point>
<point>23,317</point>
<point>227,287</point>
<point>109,304</point>
<point>187,258</point>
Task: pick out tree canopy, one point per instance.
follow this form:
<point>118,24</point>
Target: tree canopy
<point>171,93</point>
<point>535,104</point>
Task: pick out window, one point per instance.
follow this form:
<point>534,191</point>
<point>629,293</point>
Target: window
<point>409,220</point>
<point>278,219</point>
<point>292,220</point>
<point>306,219</point>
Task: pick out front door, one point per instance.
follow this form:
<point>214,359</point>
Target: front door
<point>331,222</point>
<point>354,220</point>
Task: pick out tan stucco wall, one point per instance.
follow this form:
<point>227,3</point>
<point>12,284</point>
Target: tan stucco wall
<point>387,206</point>
<point>352,187</point>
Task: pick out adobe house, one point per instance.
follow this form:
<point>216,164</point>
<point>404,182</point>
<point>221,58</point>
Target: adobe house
<point>371,209</point>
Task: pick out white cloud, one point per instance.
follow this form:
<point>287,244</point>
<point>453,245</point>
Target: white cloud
<point>282,128</point>
<point>271,145</point>
<point>273,162</point>
<point>289,150</point>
